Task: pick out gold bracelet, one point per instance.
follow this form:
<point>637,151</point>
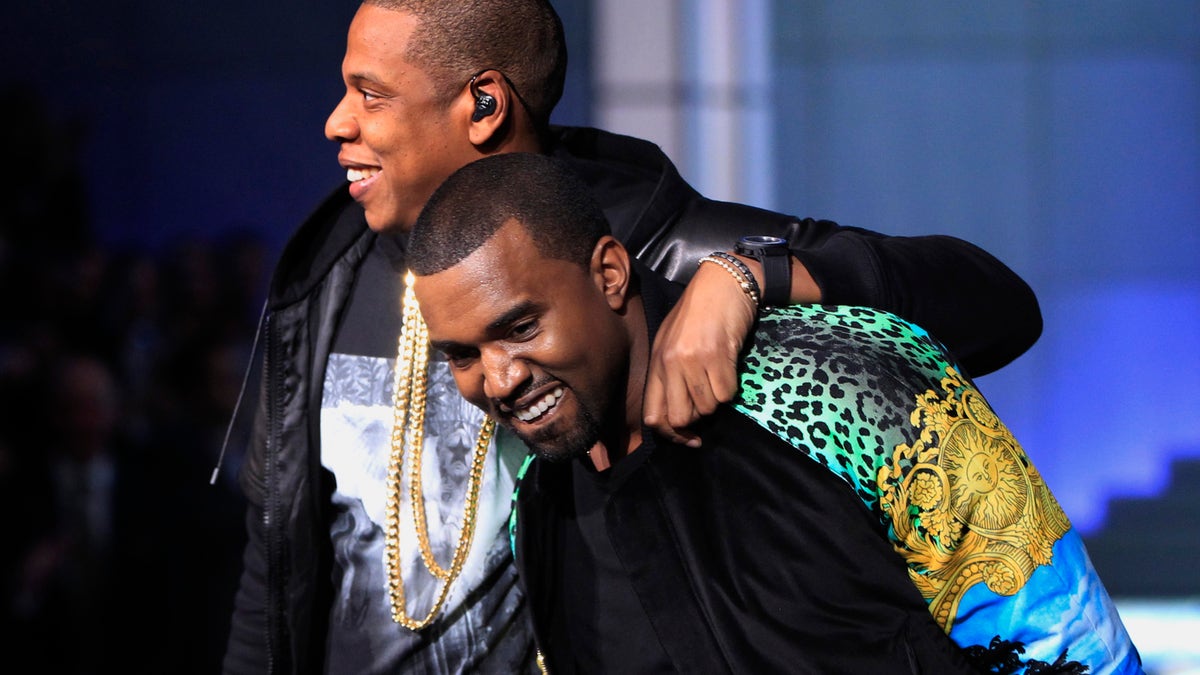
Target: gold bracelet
<point>749,288</point>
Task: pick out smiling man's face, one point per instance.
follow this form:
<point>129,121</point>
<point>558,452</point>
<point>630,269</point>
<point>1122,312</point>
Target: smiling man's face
<point>398,141</point>
<point>533,341</point>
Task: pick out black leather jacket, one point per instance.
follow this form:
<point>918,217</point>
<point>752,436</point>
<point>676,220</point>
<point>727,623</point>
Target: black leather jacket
<point>977,306</point>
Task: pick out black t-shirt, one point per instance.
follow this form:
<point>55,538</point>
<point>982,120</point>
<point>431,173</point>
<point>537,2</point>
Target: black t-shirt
<point>372,321</point>
<point>606,627</point>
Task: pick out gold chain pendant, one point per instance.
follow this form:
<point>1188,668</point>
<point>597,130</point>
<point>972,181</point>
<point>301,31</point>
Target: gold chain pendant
<point>408,432</point>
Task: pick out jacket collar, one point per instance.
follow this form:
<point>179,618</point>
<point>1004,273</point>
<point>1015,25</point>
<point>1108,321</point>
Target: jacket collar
<point>337,225</point>
<point>635,181</point>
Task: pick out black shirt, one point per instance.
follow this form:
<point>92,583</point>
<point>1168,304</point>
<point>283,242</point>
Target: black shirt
<point>595,590</point>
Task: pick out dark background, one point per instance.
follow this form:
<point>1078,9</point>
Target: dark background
<point>158,155</point>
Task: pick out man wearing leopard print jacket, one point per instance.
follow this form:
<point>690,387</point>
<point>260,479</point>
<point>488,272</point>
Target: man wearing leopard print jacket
<point>859,509</point>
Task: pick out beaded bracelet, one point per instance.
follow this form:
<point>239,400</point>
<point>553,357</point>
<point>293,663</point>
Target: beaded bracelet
<point>745,280</point>
<point>733,260</point>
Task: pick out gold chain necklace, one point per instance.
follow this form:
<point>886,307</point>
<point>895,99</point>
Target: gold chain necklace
<point>408,429</point>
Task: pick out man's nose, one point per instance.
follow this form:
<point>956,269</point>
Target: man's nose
<point>341,125</point>
<point>502,374</point>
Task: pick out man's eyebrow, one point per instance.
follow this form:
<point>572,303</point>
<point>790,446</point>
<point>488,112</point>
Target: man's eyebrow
<point>509,316</point>
<point>512,314</point>
<point>445,346</point>
<point>363,78</point>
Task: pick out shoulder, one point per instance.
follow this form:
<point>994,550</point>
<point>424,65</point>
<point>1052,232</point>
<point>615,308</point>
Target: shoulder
<point>852,336</point>
<point>833,352</point>
<point>840,384</point>
<point>335,226</point>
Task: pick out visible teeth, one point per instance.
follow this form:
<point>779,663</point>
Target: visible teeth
<point>355,175</point>
<point>538,409</point>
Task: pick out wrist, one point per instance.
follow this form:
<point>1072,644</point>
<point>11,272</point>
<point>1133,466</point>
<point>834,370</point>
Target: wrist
<point>737,270</point>
<point>774,258</point>
<point>752,264</point>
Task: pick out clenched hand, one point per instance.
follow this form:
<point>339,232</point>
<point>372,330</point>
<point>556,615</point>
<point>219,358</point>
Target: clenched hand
<point>693,363</point>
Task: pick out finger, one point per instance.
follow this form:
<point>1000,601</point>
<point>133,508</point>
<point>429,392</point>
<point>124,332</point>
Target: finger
<point>723,381</point>
<point>654,402</point>
<point>685,437</point>
<point>704,397</point>
<point>680,410</point>
<point>657,410</point>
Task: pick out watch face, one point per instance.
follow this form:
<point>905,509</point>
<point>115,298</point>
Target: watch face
<point>761,241</point>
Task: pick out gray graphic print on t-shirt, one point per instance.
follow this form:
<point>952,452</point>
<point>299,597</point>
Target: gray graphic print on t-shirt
<point>356,425</point>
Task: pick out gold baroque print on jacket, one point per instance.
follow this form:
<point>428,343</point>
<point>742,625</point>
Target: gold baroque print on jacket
<point>965,503</point>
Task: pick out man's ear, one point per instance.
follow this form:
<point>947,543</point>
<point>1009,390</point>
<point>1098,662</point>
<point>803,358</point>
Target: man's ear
<point>487,102</point>
<point>611,271</point>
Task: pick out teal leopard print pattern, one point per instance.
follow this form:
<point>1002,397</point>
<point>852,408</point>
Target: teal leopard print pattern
<point>837,383</point>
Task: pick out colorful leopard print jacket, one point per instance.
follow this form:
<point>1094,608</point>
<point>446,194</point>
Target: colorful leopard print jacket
<point>878,402</point>
<point>986,543</point>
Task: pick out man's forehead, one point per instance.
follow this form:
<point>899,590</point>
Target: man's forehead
<point>506,270</point>
<point>380,31</point>
<point>494,265</point>
<point>508,261</point>
<point>508,252</point>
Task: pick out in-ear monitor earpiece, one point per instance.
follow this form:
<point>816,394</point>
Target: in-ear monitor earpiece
<point>485,104</point>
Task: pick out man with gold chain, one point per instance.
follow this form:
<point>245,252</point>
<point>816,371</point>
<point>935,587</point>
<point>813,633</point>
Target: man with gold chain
<point>377,501</point>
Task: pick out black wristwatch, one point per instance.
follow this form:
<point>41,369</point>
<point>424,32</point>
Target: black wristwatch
<point>774,256</point>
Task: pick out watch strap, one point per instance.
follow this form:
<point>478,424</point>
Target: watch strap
<point>777,277</point>
<point>774,255</point>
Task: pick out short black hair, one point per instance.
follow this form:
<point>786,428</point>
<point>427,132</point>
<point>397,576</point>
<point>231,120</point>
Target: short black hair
<point>537,191</point>
<point>521,38</point>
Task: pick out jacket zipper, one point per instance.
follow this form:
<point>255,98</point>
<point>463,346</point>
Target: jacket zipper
<point>274,595</point>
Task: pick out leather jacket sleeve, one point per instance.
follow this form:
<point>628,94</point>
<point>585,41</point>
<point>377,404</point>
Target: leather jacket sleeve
<point>247,649</point>
<point>978,307</point>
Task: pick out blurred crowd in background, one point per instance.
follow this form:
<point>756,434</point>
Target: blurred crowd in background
<point>119,370</point>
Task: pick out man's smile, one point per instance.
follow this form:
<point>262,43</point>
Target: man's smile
<point>539,407</point>
<point>355,174</point>
<point>361,179</point>
<point>532,407</point>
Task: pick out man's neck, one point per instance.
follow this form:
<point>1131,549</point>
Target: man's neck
<point>613,447</point>
<point>521,136</point>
